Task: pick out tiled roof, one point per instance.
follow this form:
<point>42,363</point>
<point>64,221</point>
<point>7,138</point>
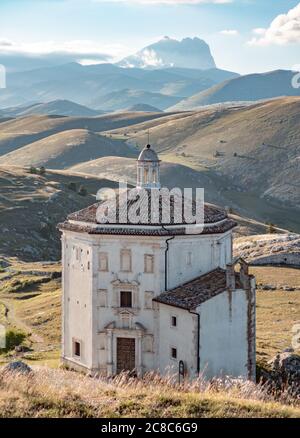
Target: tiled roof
<point>142,231</point>
<point>212,213</point>
<point>190,295</point>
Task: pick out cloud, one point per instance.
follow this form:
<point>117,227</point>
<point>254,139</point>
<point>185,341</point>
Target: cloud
<point>85,51</point>
<point>229,32</point>
<point>5,43</point>
<point>284,29</point>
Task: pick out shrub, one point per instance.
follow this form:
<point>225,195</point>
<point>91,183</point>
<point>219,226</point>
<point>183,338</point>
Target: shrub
<point>82,191</point>
<point>14,338</point>
<point>72,186</point>
<point>42,170</point>
<point>271,228</point>
<point>33,170</point>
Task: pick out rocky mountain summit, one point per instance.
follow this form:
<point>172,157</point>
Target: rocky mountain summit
<point>168,52</point>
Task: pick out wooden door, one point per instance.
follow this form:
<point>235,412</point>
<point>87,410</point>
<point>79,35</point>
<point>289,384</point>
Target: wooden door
<point>125,354</point>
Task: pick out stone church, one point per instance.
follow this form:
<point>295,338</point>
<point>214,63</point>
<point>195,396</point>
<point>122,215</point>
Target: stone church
<point>145,297</point>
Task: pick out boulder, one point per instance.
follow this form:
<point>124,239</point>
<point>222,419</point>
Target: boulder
<point>18,367</point>
<point>286,365</point>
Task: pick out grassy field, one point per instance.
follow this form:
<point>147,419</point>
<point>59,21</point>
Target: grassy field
<point>277,311</point>
<point>61,393</point>
<point>30,301</point>
<point>34,309</point>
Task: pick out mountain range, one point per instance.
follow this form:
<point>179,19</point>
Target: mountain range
<point>167,75</point>
<point>246,88</point>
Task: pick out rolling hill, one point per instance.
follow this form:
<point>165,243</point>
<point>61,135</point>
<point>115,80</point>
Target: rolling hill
<point>62,150</point>
<point>233,152</point>
<point>22,131</point>
<point>56,107</point>
<point>126,97</point>
<point>32,205</point>
<point>244,88</point>
<point>239,150</point>
<point>143,107</point>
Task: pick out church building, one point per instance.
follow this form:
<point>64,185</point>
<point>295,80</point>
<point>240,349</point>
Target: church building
<point>155,296</point>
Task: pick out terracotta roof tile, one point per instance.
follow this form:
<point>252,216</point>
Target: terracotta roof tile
<point>142,231</point>
<point>212,213</point>
<point>190,295</point>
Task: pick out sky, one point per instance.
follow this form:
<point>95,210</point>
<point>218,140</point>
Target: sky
<point>244,35</point>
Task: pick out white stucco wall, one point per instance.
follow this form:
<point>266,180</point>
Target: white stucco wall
<point>207,252</point>
<point>183,337</point>
<point>77,298</point>
<point>224,335</point>
<point>86,319</point>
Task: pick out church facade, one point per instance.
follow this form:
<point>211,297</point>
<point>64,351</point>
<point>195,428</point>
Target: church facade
<point>155,296</point>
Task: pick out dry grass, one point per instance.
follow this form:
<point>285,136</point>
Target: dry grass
<point>61,393</point>
<point>277,311</point>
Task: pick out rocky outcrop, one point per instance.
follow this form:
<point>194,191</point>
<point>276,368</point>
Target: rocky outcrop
<point>17,367</point>
<point>286,366</point>
<point>282,378</point>
<point>269,249</point>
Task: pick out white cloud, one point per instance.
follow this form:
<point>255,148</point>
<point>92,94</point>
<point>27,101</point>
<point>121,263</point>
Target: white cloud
<point>85,50</point>
<point>284,29</point>
<point>229,32</point>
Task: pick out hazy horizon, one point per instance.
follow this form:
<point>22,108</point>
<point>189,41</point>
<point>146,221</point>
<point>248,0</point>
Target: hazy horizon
<point>244,36</point>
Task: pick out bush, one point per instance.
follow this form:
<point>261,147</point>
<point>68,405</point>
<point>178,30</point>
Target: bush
<point>271,229</point>
<point>42,170</point>
<point>33,170</point>
<point>14,338</point>
<point>20,285</point>
<point>82,191</point>
<point>72,186</point>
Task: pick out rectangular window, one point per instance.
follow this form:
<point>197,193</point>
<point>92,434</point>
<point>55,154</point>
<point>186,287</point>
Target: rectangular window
<point>77,348</point>
<point>126,260</point>
<point>125,299</point>
<point>103,262</point>
<point>149,295</point>
<point>149,264</point>
<point>174,353</point>
<point>174,321</point>
<point>102,298</point>
<point>189,258</point>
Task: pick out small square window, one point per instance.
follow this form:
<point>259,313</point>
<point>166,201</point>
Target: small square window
<point>126,299</point>
<point>174,321</point>
<point>174,353</point>
<point>77,349</point>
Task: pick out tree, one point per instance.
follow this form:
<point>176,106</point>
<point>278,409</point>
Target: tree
<point>72,186</point>
<point>271,229</point>
<point>82,191</point>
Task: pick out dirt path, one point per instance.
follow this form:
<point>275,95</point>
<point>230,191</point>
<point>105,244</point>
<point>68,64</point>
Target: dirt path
<point>11,318</point>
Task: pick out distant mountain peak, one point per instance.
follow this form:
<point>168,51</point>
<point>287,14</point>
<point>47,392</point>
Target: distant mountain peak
<point>168,52</point>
